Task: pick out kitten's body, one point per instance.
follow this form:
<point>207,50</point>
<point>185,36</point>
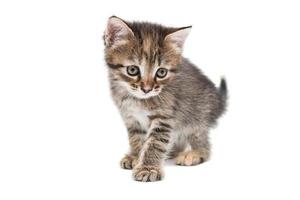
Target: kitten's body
<point>192,100</point>
<point>175,121</point>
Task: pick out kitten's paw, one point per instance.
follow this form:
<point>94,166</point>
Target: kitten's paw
<point>147,173</point>
<point>190,158</point>
<point>128,162</point>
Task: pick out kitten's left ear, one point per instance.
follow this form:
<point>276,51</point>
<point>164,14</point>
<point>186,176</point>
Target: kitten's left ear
<point>117,32</point>
<point>178,37</point>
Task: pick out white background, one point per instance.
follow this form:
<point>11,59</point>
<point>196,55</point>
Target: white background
<point>61,137</point>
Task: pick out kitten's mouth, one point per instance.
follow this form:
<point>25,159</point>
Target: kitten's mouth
<point>142,95</point>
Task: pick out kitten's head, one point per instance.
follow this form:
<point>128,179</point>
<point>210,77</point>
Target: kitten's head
<point>143,57</point>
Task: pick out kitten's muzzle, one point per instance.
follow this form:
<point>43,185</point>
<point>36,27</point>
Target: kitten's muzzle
<point>146,88</point>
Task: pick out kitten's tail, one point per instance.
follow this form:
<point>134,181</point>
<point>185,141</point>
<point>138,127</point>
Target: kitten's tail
<point>223,90</point>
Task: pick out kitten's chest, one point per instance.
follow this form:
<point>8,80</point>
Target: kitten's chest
<point>132,112</point>
<point>141,116</point>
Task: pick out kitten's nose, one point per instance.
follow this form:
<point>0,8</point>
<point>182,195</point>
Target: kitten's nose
<point>146,88</point>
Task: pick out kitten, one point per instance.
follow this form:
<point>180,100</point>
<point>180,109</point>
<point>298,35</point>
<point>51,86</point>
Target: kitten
<point>167,104</point>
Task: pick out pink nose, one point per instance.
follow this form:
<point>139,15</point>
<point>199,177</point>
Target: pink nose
<point>146,88</point>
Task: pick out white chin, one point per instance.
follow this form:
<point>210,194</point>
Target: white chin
<point>141,95</point>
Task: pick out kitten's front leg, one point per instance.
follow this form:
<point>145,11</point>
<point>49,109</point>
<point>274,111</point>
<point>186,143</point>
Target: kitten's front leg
<point>153,152</point>
<point>136,136</point>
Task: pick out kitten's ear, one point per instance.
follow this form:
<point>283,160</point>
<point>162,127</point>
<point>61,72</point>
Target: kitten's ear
<point>117,32</point>
<point>178,37</point>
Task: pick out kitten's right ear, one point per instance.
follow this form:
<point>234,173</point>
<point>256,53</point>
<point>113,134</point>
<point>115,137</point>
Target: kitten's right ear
<point>117,32</point>
<point>178,37</point>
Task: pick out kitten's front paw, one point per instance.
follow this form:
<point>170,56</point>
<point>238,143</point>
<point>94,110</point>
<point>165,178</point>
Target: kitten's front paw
<point>147,173</point>
<point>191,158</point>
<point>128,162</point>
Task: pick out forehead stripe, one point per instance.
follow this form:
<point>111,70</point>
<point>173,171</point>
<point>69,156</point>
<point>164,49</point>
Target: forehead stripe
<point>114,66</point>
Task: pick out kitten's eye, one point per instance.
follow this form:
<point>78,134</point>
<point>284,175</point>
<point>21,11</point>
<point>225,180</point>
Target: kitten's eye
<point>161,72</point>
<point>133,70</point>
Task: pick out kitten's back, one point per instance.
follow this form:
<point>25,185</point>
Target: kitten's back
<point>198,99</point>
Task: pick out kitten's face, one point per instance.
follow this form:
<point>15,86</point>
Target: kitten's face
<point>143,57</point>
<point>143,80</point>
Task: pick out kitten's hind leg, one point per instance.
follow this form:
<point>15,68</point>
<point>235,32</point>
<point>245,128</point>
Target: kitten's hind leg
<point>200,149</point>
<point>179,145</point>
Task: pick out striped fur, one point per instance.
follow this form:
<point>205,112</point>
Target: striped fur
<point>172,118</point>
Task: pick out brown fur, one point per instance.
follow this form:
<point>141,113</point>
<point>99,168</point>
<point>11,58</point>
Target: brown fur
<point>185,105</point>
<point>149,45</point>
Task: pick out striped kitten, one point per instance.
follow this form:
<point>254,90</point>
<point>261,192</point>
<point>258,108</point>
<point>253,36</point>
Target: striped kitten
<point>167,104</point>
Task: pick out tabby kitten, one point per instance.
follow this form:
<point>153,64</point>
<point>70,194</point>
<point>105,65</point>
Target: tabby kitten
<point>167,104</point>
